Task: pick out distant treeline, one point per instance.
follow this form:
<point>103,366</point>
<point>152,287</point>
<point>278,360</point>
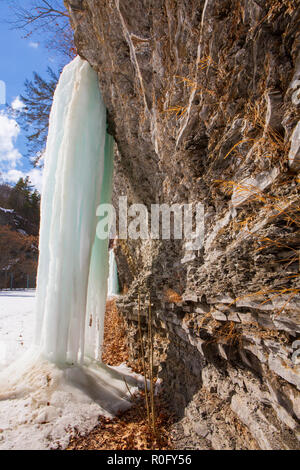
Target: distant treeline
<point>22,198</point>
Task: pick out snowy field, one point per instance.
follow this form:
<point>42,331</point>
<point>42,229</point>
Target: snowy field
<point>41,403</point>
<point>16,324</point>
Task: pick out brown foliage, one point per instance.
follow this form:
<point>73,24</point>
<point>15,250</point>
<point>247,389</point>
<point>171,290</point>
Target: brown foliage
<point>172,296</point>
<point>18,251</point>
<point>128,431</point>
<point>114,346</point>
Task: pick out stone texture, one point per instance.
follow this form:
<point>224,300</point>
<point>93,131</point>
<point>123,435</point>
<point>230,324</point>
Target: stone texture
<point>294,155</point>
<point>201,97</point>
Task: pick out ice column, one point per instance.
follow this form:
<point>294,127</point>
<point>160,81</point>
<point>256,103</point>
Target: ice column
<point>73,264</point>
<point>113,285</point>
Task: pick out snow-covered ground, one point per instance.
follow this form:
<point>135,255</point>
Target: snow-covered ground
<point>41,403</point>
<point>6,210</point>
<point>16,324</point>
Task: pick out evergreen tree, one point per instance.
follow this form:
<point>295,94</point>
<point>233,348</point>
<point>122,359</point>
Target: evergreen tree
<point>25,201</point>
<point>34,117</point>
<point>35,200</point>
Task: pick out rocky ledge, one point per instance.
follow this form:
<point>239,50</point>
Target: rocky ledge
<point>203,102</point>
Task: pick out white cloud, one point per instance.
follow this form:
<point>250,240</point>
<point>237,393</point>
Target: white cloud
<point>9,131</point>
<point>33,44</point>
<point>17,104</point>
<point>35,177</point>
<point>12,176</point>
<point>10,157</point>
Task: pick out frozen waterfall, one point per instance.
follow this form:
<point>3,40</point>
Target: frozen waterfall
<point>73,265</point>
<point>60,380</point>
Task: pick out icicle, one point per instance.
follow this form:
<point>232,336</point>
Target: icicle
<point>113,285</point>
<point>97,288</point>
<point>73,264</point>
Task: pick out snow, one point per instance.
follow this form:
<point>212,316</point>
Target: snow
<point>41,403</point>
<point>6,210</point>
<point>22,232</point>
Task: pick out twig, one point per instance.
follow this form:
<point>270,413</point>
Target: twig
<point>133,398</point>
<point>151,367</point>
<point>143,359</point>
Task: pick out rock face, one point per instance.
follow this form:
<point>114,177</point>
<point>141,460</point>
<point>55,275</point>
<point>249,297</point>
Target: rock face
<point>203,102</point>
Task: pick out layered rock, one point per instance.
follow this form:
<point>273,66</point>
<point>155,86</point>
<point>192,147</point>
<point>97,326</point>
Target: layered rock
<point>203,102</point>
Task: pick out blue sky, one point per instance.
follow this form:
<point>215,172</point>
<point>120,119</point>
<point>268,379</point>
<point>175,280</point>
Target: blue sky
<point>20,57</point>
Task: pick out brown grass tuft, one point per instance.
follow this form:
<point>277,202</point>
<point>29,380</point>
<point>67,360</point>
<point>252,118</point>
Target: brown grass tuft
<point>115,350</point>
<point>128,431</point>
<point>172,296</point>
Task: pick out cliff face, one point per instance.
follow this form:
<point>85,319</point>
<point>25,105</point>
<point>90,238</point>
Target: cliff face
<point>203,102</point>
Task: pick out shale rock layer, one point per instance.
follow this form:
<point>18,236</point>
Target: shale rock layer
<point>203,102</point>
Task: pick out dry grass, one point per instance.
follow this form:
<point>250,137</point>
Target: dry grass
<point>228,334</point>
<point>274,205</point>
<point>284,209</point>
<point>275,7</point>
<point>192,84</point>
<point>230,186</point>
<point>172,296</point>
<point>267,243</point>
<point>147,361</point>
<point>128,431</point>
<point>188,82</point>
<point>178,110</point>
<point>142,359</point>
<point>206,62</point>
<point>115,350</point>
<point>271,294</point>
<point>271,143</point>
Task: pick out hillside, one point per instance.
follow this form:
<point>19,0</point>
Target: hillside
<point>19,227</point>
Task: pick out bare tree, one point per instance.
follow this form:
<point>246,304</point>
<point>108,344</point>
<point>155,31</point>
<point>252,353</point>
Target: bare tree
<point>39,14</point>
<point>48,17</point>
